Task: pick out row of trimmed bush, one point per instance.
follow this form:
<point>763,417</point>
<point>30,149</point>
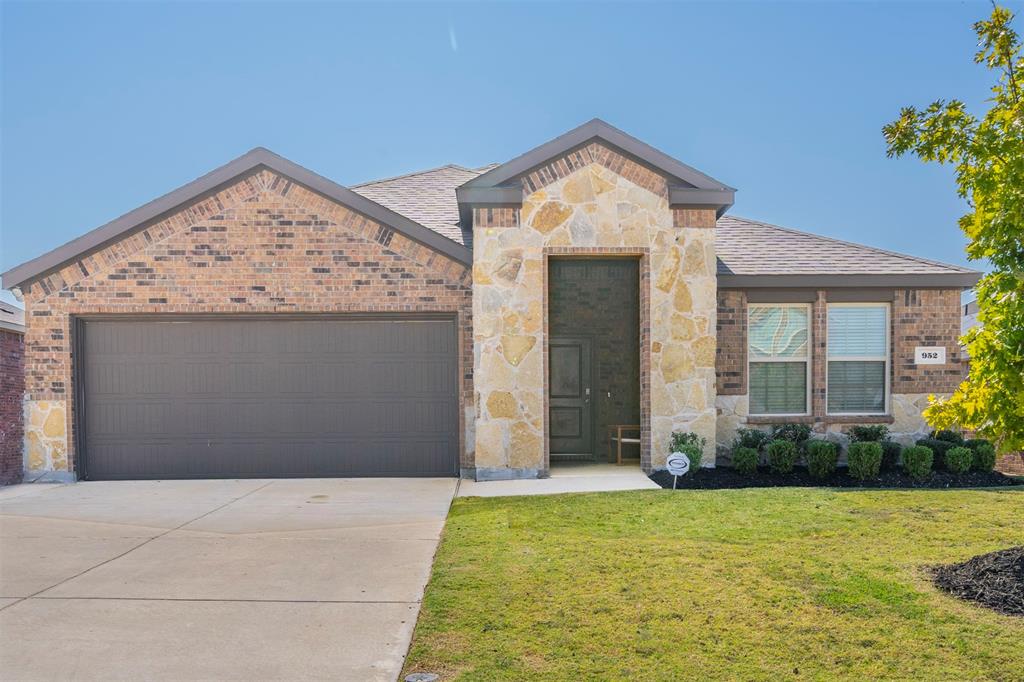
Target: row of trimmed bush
<point>870,450</point>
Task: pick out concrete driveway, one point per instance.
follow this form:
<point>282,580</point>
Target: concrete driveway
<point>232,579</point>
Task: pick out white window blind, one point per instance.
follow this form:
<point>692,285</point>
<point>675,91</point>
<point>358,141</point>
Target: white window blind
<point>858,358</point>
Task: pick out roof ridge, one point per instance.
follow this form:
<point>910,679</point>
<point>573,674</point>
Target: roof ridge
<point>876,249</point>
<point>409,175</point>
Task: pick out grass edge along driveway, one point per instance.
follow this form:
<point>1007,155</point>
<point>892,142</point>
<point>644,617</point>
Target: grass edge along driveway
<point>730,584</point>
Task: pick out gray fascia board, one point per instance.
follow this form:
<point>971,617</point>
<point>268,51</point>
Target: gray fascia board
<point>953,280</point>
<point>490,196</point>
<point>596,129</point>
<point>245,164</point>
<point>687,196</point>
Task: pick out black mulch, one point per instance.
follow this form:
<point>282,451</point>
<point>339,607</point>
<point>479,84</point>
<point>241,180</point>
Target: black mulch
<point>995,580</point>
<point>727,477</point>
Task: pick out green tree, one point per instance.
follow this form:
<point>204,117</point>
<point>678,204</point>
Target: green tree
<point>987,155</point>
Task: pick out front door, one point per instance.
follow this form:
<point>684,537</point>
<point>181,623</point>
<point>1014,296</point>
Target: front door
<point>571,413</point>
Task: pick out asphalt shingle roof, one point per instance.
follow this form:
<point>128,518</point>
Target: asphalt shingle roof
<point>428,197</point>
<point>744,246</point>
<point>750,247</point>
<point>11,315</point>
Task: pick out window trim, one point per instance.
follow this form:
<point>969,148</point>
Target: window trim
<point>807,360</point>
<point>887,359</point>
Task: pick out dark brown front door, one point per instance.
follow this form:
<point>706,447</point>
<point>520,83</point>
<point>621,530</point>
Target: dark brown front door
<point>570,399</point>
<point>269,397</point>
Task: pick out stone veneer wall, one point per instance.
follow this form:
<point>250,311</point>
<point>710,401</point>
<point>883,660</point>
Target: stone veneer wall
<point>264,244</point>
<point>591,202</point>
<point>919,317</point>
<point>12,391</point>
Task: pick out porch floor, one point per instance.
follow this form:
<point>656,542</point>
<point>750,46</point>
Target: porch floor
<point>567,477</point>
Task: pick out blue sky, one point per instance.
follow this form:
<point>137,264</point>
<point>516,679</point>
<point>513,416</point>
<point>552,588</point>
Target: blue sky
<point>106,106</point>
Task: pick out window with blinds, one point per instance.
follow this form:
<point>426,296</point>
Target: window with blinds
<point>858,358</point>
<point>778,351</point>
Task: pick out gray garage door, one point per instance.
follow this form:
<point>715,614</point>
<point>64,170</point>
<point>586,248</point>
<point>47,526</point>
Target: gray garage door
<point>223,398</point>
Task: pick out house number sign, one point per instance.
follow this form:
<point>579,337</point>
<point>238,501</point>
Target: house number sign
<point>929,355</point>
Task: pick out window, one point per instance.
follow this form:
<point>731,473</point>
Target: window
<point>779,353</point>
<point>858,358</point>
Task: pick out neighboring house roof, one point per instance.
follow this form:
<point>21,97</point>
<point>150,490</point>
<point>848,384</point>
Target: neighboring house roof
<point>753,253</point>
<point>427,196</point>
<point>969,316</point>
<point>12,318</point>
<point>247,163</point>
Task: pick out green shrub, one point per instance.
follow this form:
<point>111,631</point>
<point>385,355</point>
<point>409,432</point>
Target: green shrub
<point>691,445</point>
<point>750,438</point>
<point>959,460</point>
<point>938,448</point>
<point>744,460</point>
<point>794,433</point>
<point>782,456</point>
<point>917,461</point>
<point>864,460</point>
<point>890,453</point>
<point>868,433</point>
<point>984,456</point>
<point>975,442</point>
<point>821,458</point>
<point>948,435</point>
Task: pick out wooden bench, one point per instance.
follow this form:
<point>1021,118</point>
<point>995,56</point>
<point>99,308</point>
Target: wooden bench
<point>616,435</point>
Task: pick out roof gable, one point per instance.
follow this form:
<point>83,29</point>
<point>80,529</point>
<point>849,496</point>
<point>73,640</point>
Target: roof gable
<point>247,164</point>
<point>687,186</point>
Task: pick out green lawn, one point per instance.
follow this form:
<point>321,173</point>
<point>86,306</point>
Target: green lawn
<point>738,584</point>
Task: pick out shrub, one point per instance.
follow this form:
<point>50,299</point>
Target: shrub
<point>984,456</point>
<point>781,456</point>
<point>794,433</point>
<point>868,433</point>
<point>890,453</point>
<point>948,435</point>
<point>691,445</point>
<point>750,438</point>
<point>959,460</point>
<point>864,460</point>
<point>821,458</point>
<point>917,461</point>
<point>744,460</point>
<point>975,442</point>
<point>938,448</point>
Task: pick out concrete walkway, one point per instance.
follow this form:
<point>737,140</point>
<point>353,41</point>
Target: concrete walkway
<point>233,579</point>
<point>584,477</point>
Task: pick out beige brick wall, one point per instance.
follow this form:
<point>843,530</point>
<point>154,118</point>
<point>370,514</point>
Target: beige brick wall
<point>262,245</point>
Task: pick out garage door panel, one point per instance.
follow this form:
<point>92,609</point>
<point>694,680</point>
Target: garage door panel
<point>235,398</point>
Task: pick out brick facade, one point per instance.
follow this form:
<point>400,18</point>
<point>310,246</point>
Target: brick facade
<point>926,317</point>
<point>731,352</point>
<point>12,388</point>
<point>919,317</point>
<point>1011,464</point>
<point>262,245</point>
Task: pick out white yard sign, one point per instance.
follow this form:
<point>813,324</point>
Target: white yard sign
<point>929,355</point>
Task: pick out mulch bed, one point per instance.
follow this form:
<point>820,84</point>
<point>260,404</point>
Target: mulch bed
<point>726,477</point>
<point>995,580</point>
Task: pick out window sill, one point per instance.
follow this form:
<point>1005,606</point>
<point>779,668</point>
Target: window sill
<point>859,419</point>
<point>780,419</point>
<point>825,419</point>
